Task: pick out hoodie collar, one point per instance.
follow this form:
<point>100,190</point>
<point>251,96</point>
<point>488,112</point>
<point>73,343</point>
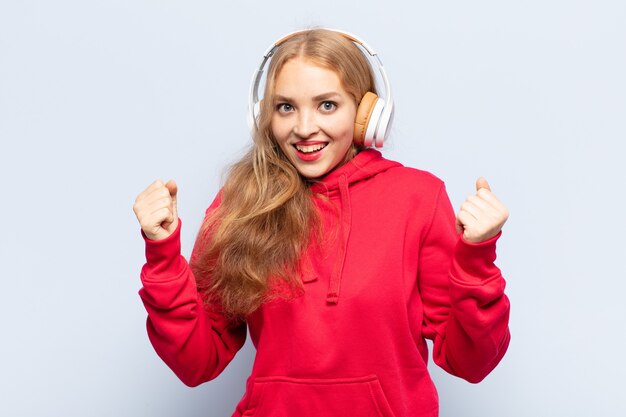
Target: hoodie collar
<point>365,164</point>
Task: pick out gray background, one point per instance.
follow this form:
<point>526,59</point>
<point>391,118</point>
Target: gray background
<point>99,98</point>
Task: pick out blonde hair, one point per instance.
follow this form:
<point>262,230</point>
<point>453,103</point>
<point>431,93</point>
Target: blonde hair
<point>251,244</point>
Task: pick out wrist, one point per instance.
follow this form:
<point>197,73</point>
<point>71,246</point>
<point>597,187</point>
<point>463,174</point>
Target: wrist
<point>476,258</point>
<point>164,255</point>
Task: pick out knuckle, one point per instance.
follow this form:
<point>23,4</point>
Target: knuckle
<point>140,198</point>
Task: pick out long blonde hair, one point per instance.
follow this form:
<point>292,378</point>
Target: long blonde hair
<point>254,239</point>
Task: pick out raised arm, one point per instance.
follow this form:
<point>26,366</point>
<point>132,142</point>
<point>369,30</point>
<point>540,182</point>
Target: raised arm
<point>195,342</point>
<point>465,309</point>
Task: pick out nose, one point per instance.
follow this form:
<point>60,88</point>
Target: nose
<point>306,125</point>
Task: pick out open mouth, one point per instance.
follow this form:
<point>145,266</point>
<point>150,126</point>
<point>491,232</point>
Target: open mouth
<point>310,148</point>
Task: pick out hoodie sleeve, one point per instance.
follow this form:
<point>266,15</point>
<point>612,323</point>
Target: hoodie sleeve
<point>466,312</point>
<point>194,342</point>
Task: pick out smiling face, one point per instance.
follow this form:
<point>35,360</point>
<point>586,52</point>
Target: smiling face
<point>313,117</point>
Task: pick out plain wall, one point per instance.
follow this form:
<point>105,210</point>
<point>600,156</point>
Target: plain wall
<point>100,98</point>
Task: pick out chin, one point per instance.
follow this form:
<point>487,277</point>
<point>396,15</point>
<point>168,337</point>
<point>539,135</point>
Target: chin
<point>312,173</point>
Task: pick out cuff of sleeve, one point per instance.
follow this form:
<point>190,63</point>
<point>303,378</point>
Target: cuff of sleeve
<point>163,257</point>
<point>476,259</point>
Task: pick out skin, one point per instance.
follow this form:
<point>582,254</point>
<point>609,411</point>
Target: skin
<point>482,215</point>
<point>312,107</point>
<point>156,210</point>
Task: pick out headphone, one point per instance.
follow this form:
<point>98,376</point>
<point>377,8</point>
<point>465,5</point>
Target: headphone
<point>374,114</point>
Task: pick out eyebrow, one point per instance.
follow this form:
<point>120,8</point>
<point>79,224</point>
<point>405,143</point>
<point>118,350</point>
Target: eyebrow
<point>319,97</point>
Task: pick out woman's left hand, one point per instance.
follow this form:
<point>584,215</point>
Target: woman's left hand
<point>482,215</point>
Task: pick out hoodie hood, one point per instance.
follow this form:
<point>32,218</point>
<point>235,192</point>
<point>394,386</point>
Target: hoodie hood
<point>336,186</point>
<point>364,165</point>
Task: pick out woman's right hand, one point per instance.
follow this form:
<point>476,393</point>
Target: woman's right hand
<point>156,211</point>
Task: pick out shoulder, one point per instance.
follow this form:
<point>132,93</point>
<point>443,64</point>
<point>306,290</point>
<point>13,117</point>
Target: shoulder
<point>404,189</point>
<point>413,178</point>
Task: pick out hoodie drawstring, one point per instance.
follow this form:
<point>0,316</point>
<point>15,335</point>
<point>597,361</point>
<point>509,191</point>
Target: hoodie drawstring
<point>345,222</point>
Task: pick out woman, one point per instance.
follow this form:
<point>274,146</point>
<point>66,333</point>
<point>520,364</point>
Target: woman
<point>341,263</point>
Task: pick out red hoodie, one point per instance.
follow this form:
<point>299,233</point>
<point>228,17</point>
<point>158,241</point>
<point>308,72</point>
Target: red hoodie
<point>390,272</point>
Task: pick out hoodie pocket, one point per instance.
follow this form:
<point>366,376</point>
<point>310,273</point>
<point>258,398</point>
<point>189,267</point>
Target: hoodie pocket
<point>289,397</point>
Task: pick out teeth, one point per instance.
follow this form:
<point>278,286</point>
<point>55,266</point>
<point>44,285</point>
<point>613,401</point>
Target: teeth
<point>310,148</point>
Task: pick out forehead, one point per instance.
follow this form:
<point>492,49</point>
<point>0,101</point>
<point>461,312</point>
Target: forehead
<point>300,77</point>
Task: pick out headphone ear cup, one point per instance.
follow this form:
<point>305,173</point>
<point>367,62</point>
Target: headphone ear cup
<point>364,117</point>
<point>382,129</point>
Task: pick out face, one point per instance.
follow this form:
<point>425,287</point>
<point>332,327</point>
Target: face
<point>313,117</point>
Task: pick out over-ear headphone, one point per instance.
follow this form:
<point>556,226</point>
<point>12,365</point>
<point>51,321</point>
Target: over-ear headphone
<point>374,114</point>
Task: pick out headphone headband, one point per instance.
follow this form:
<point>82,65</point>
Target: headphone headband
<point>379,131</point>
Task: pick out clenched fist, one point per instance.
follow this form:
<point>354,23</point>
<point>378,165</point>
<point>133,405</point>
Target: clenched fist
<point>482,215</point>
<point>155,209</point>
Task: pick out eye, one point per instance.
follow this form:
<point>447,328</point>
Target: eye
<point>284,107</point>
<point>328,106</point>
